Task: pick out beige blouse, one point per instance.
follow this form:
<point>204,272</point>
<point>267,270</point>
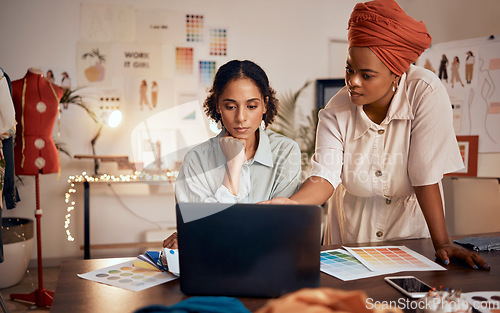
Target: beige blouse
<point>374,167</point>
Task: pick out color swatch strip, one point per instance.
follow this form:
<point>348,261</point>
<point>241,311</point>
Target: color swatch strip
<point>395,258</point>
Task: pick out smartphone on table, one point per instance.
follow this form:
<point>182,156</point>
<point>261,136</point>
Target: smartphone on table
<point>409,285</point>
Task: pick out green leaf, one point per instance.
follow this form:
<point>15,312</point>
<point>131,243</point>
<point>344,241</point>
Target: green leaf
<point>304,135</point>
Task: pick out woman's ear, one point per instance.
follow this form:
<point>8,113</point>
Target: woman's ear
<point>265,104</point>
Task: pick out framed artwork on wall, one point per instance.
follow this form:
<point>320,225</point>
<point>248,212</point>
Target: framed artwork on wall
<point>326,89</point>
<point>468,146</point>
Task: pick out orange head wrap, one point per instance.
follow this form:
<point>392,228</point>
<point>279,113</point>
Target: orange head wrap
<point>396,38</point>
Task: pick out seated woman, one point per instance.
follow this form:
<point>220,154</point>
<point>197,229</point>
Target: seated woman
<point>246,162</point>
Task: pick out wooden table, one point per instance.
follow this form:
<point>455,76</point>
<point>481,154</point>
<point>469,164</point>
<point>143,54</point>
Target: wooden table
<point>75,295</point>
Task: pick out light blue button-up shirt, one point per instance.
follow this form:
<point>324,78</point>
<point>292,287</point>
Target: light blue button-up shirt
<point>274,171</point>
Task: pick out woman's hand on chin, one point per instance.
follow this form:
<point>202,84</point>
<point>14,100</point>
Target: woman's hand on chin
<point>233,149</point>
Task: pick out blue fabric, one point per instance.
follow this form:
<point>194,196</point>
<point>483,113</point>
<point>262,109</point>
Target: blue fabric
<point>480,243</point>
<point>199,305</point>
<point>9,188</point>
<point>10,192</point>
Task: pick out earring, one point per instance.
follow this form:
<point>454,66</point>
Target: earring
<point>263,125</point>
<point>394,87</point>
<point>219,125</point>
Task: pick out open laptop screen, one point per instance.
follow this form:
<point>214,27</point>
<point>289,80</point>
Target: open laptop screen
<point>250,250</point>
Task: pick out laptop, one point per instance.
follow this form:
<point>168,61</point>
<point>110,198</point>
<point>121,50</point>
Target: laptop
<point>248,250</point>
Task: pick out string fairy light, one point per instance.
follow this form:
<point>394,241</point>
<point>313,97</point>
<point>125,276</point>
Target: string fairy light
<point>143,176</point>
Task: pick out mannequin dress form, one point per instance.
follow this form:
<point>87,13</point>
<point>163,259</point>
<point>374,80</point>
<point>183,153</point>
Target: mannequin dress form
<point>36,102</point>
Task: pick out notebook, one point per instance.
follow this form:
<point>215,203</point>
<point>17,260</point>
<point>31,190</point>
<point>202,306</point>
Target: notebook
<point>248,250</point>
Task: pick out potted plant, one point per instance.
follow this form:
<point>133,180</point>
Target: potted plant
<point>72,96</point>
<point>17,237</point>
<point>286,124</point>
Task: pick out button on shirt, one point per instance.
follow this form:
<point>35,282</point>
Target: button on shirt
<point>378,165</point>
<point>274,171</point>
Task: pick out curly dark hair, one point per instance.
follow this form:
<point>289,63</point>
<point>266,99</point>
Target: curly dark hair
<point>237,69</point>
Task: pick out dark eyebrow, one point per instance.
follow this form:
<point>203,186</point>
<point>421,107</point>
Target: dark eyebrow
<point>363,69</point>
<point>249,100</point>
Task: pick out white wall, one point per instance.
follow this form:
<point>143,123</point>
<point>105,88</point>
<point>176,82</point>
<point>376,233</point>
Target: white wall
<point>289,39</point>
<point>450,20</point>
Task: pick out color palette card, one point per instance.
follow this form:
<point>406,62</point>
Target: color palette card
<point>206,72</point>
<point>173,261</point>
<point>341,264</point>
<point>393,258</point>
<point>184,57</point>
<point>194,27</point>
<point>218,41</point>
<point>127,276</point>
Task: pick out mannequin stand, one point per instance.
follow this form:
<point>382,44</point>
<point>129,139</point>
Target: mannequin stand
<point>40,297</point>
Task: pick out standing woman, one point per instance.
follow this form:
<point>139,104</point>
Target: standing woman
<point>143,89</point>
<point>455,75</point>
<point>154,93</point>
<point>469,66</point>
<point>443,68</point>
<point>386,139</point>
<point>65,81</point>
<point>50,76</point>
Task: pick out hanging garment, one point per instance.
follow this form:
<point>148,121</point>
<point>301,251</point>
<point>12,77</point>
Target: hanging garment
<point>7,143</point>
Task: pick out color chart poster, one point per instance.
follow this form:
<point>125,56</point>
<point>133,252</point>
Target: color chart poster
<point>206,73</point>
<point>194,28</point>
<point>159,26</point>
<point>218,41</point>
<point>184,59</point>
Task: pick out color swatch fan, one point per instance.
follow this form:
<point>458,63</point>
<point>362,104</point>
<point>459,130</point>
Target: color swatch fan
<point>126,275</point>
<point>343,265</point>
<point>393,258</point>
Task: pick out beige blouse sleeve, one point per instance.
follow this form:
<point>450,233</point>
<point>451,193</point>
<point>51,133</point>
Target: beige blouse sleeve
<point>327,160</point>
<point>433,144</point>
